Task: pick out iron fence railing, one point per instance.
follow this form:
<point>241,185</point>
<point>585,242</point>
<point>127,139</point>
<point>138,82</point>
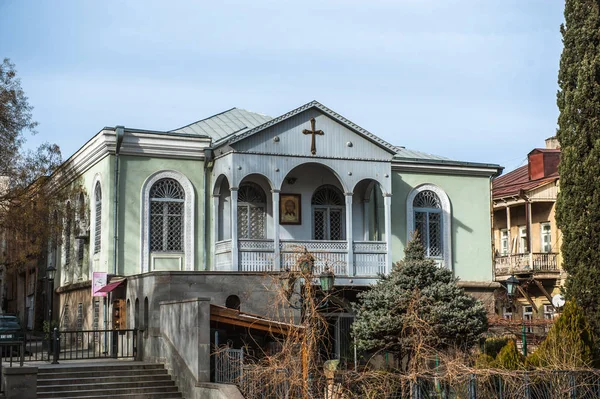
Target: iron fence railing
<point>97,344</point>
<point>11,353</point>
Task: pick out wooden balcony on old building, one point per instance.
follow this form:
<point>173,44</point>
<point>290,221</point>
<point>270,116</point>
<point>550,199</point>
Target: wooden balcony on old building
<point>537,264</point>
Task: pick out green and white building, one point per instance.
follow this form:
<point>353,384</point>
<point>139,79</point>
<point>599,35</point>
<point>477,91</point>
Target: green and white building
<point>203,203</point>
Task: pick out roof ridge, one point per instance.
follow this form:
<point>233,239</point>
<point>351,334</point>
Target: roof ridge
<point>202,120</point>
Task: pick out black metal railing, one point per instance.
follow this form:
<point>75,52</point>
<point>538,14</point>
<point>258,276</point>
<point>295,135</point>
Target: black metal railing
<point>11,353</point>
<point>94,344</point>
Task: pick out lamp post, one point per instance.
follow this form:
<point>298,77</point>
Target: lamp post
<point>305,272</point>
<point>50,274</point>
<point>511,289</point>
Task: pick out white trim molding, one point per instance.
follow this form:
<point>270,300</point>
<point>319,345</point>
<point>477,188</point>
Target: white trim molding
<point>446,219</point>
<point>189,217</point>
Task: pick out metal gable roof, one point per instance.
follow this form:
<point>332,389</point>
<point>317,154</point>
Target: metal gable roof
<point>225,124</point>
<point>315,104</point>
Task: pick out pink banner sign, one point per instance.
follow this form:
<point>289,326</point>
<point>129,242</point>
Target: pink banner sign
<point>98,281</point>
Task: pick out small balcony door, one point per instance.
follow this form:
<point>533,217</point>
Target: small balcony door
<point>328,214</point>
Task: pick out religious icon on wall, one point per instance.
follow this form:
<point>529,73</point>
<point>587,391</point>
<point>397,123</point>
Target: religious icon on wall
<point>290,210</point>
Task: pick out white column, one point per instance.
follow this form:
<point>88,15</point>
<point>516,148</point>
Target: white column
<point>387,203</point>
<point>366,220</point>
<point>508,230</point>
<point>351,267</point>
<point>276,249</point>
<point>234,230</point>
<point>215,229</point>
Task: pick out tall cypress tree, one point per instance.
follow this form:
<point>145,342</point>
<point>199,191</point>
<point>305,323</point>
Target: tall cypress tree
<point>578,206</point>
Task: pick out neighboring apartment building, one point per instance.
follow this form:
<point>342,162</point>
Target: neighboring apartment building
<point>526,239</point>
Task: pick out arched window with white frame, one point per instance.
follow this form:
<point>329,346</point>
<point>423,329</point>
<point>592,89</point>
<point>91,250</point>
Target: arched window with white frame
<point>167,228</point>
<point>252,212</point>
<point>428,223</point>
<point>429,214</point>
<point>329,210</point>
<point>166,216</point>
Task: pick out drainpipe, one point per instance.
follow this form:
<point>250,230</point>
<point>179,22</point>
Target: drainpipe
<point>120,132</point>
<point>208,164</point>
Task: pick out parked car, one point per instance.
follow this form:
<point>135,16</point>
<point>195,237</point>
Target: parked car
<point>10,328</point>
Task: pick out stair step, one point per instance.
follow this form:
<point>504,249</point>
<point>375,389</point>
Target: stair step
<point>99,379</point>
<point>125,367</point>
<point>127,396</point>
<point>106,385</point>
<point>104,373</point>
<point>171,390</point>
<point>104,381</point>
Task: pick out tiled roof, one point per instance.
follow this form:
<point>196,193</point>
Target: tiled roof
<point>233,121</point>
<point>513,182</point>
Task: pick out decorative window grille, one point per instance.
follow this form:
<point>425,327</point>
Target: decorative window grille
<point>98,218</point>
<point>546,235</point>
<point>328,213</point>
<point>428,222</point>
<point>167,199</point>
<point>67,246</point>
<point>504,242</point>
<point>66,318</point>
<point>251,212</point>
<point>80,316</point>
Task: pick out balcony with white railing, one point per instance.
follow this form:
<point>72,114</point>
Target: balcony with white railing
<point>369,258</point>
<point>537,263</point>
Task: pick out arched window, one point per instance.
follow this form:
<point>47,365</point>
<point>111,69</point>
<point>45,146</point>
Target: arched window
<point>167,199</point>
<point>167,222</point>
<point>68,229</point>
<point>428,222</point>
<point>252,203</point>
<point>146,317</point>
<point>233,302</point>
<point>81,229</point>
<point>429,214</point>
<point>97,218</point>
<point>328,206</point>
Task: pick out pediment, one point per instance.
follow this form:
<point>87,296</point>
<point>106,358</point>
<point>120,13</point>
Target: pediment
<point>290,135</point>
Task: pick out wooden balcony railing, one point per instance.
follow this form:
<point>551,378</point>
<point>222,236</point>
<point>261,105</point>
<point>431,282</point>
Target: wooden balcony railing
<point>536,262</point>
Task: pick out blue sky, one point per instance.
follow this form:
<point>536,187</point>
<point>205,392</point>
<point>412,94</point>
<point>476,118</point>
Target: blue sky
<point>472,80</point>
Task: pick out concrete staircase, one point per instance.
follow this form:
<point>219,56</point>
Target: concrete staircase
<point>118,380</point>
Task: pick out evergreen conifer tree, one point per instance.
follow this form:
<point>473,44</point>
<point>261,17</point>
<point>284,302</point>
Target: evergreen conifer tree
<point>418,304</point>
<point>578,206</point>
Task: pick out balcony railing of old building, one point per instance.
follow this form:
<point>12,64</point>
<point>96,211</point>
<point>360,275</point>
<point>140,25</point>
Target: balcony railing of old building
<point>368,257</point>
<point>531,262</point>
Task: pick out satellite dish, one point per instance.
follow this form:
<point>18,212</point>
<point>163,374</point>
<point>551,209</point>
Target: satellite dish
<point>558,301</point>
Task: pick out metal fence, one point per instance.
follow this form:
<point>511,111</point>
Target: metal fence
<point>256,384</point>
<point>80,344</point>
<point>229,365</point>
<point>11,353</point>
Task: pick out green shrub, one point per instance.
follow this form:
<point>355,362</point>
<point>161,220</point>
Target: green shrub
<point>569,343</point>
<point>493,345</point>
<point>509,357</point>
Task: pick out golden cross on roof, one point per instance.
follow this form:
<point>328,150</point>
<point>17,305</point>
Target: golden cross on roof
<point>313,132</point>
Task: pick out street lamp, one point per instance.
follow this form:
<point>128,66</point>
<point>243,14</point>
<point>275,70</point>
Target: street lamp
<point>50,274</point>
<point>511,289</point>
<point>327,279</point>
